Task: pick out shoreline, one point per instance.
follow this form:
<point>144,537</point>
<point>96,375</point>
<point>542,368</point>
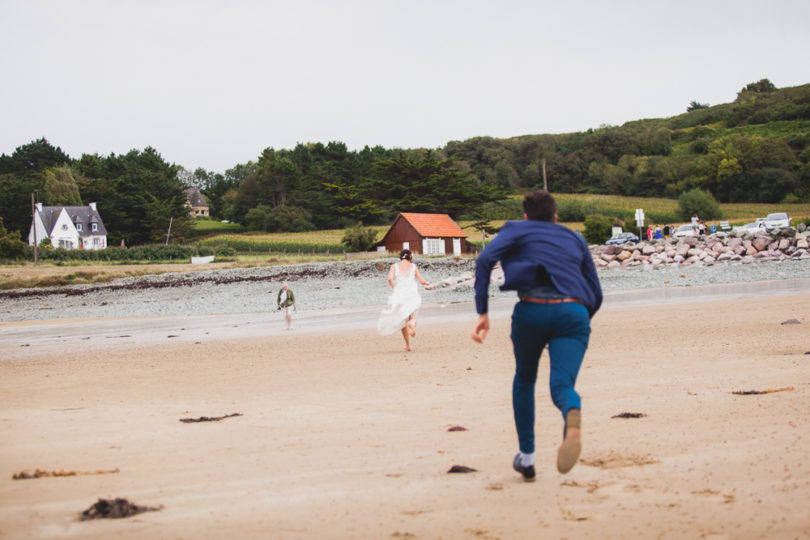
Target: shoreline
<point>319,286</point>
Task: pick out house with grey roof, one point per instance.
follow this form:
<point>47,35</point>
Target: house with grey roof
<point>68,227</point>
<point>195,203</point>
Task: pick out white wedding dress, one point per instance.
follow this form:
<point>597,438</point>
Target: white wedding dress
<point>403,301</point>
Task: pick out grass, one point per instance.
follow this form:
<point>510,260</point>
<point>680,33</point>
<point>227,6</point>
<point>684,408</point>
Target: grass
<point>207,226</point>
<point>326,241</point>
<point>59,276</point>
<point>731,211</point>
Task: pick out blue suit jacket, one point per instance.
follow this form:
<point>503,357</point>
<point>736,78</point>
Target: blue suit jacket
<point>523,245</point>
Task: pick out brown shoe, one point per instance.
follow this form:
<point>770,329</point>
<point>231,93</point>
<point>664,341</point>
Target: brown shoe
<point>569,451</point>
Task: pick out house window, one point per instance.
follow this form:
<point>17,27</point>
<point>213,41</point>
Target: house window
<point>433,246</point>
<point>64,227</point>
<point>67,244</point>
<point>94,226</point>
<point>78,226</point>
<point>97,243</point>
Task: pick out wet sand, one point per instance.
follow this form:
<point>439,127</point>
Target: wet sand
<point>344,434</point>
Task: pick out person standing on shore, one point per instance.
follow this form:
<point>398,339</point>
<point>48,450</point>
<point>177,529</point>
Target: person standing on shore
<point>286,303</point>
<point>404,302</point>
<point>551,268</point>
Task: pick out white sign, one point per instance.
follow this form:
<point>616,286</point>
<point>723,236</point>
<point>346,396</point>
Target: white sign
<point>640,217</point>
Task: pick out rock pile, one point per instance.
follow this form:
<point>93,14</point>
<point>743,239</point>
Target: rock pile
<point>744,247</point>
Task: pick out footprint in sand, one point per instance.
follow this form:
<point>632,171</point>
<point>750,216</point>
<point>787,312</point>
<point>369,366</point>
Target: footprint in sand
<point>614,461</point>
<point>590,487</point>
<point>727,498</point>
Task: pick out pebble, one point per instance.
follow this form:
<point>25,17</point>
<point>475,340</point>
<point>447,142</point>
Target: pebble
<point>319,286</point>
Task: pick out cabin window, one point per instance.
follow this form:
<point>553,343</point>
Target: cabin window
<point>433,246</point>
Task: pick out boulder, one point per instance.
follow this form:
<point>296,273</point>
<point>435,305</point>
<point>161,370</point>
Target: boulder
<point>762,242</point>
<point>801,243</point>
<point>784,243</point>
<point>624,255</point>
<point>614,264</point>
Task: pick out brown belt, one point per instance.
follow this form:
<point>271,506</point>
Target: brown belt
<point>551,300</point>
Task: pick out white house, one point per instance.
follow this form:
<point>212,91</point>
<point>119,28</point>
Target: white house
<point>69,227</point>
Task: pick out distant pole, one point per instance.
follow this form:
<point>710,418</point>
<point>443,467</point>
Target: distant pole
<point>34,226</point>
<point>545,181</point>
<point>169,232</point>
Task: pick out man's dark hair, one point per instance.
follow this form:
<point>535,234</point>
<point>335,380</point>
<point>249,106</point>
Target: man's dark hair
<point>540,205</point>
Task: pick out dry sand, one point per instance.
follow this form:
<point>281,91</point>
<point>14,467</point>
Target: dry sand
<point>346,435</point>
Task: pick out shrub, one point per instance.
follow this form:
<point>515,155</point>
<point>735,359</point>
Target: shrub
<point>700,202</point>
<point>572,210</point>
<point>598,228</point>
<point>256,217</point>
<point>286,218</point>
<point>359,238</point>
<point>11,245</point>
<point>149,252</point>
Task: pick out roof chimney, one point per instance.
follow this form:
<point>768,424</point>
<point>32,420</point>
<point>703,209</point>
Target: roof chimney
<point>92,205</point>
<point>39,207</point>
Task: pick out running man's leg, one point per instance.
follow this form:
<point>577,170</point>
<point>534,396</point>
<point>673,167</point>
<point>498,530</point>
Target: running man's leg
<point>566,351</point>
<point>528,341</point>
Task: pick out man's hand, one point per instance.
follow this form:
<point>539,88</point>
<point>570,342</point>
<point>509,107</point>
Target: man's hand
<point>481,328</point>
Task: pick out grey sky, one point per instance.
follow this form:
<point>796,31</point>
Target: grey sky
<point>211,84</point>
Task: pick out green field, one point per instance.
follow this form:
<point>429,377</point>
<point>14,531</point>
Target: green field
<point>328,241</point>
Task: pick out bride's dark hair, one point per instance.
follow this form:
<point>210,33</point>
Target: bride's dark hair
<point>405,254</point>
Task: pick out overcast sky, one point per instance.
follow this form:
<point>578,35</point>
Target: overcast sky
<point>212,83</point>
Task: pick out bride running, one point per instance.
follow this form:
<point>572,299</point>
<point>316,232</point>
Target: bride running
<point>404,302</point>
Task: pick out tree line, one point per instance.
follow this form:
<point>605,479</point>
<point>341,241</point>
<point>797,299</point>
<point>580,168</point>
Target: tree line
<point>756,149</point>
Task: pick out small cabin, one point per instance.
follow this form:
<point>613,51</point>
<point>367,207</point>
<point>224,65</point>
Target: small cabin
<point>426,234</point>
<point>196,204</point>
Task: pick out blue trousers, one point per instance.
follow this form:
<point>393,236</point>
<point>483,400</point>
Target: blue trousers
<point>565,328</point>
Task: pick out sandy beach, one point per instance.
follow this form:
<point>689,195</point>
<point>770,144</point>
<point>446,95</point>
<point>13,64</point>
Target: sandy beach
<point>345,435</point>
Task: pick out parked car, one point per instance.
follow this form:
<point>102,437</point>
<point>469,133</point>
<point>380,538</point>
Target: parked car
<point>756,225</point>
<point>779,220</point>
<point>622,238</point>
<point>684,231</point>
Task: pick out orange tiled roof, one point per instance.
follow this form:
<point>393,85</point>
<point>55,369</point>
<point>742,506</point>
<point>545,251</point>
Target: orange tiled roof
<point>433,225</point>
